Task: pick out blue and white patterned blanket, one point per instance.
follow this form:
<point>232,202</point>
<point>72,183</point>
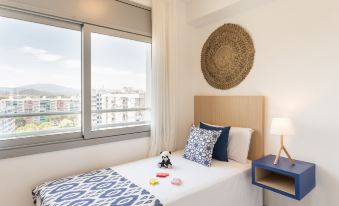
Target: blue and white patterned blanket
<point>98,188</point>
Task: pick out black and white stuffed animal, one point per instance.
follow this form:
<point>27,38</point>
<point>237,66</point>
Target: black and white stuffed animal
<point>165,160</point>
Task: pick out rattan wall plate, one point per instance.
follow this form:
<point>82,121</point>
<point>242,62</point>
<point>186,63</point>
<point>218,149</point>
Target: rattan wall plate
<point>227,56</point>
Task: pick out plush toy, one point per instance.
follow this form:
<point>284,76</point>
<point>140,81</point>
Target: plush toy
<point>176,181</point>
<point>153,181</point>
<point>165,160</point>
<point>162,174</point>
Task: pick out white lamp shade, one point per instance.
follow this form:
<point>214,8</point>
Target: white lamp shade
<point>282,126</point>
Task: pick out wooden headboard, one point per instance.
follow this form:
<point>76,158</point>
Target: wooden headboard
<point>237,111</point>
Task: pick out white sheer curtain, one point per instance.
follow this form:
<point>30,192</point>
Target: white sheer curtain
<point>163,77</point>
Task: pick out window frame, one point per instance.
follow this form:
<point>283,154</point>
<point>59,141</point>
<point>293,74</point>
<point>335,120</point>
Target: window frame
<point>40,138</point>
<point>85,137</point>
<point>39,18</point>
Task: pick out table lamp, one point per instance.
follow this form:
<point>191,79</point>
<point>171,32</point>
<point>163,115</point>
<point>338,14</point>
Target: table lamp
<point>282,127</point>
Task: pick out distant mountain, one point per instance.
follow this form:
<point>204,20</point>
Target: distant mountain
<point>40,90</point>
<point>33,92</point>
<point>5,90</point>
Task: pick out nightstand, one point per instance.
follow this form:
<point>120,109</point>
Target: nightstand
<point>293,181</point>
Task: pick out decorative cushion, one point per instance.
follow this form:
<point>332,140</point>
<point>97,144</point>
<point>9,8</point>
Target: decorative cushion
<point>220,147</point>
<point>200,143</point>
<point>239,143</point>
<point>239,140</point>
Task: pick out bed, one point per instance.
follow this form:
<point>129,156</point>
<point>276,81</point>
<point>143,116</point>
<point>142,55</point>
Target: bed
<point>224,183</point>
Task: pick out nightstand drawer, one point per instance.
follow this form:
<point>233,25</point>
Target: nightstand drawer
<point>292,181</point>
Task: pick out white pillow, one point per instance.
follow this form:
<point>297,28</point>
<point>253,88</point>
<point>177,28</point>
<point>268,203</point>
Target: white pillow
<point>239,143</point>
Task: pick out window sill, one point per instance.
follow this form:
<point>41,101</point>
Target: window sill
<point>10,152</point>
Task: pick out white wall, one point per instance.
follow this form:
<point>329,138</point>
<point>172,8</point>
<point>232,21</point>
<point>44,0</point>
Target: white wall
<point>198,10</point>
<point>144,2</point>
<point>18,176</point>
<point>184,78</point>
<point>297,68</point>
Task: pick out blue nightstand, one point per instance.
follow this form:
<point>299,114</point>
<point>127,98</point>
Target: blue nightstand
<point>292,181</point>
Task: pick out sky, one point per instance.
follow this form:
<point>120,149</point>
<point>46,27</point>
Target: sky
<point>32,53</point>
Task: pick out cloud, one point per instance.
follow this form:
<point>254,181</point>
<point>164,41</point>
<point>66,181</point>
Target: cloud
<point>9,69</point>
<point>41,54</point>
<point>7,73</point>
<point>72,63</point>
<point>110,78</point>
<point>109,71</point>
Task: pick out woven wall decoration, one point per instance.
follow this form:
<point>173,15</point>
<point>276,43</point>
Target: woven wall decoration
<point>227,56</point>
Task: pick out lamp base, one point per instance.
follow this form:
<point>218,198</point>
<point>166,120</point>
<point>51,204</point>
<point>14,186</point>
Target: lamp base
<point>282,147</point>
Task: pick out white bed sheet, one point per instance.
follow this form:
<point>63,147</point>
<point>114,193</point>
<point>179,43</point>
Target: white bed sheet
<point>224,183</point>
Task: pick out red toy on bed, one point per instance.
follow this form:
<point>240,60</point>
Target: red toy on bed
<point>162,174</point>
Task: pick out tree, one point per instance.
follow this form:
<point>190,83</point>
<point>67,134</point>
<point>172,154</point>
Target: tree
<point>20,122</point>
<point>45,125</point>
<point>27,128</point>
<point>66,123</point>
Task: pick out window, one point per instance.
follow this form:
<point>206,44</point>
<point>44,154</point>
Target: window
<point>119,64</point>
<point>40,81</point>
<point>65,82</point>
<point>118,81</point>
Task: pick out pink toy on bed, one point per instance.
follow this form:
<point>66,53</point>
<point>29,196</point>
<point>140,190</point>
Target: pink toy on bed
<point>176,181</point>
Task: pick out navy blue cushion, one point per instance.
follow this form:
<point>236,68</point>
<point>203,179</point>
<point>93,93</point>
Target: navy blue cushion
<point>220,147</point>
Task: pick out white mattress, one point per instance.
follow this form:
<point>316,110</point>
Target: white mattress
<point>224,183</point>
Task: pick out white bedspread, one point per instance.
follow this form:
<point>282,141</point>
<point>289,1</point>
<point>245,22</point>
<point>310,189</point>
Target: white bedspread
<point>224,183</point>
